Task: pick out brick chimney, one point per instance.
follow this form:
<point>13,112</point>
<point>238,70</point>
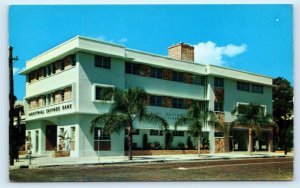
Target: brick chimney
<point>181,51</point>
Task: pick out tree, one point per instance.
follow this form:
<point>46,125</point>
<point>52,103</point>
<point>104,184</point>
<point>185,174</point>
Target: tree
<point>283,110</point>
<point>253,117</point>
<point>196,118</point>
<point>128,106</point>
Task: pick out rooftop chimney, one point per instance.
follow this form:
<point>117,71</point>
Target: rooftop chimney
<point>181,51</point>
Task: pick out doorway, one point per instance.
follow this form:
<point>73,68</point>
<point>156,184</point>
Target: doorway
<point>51,137</point>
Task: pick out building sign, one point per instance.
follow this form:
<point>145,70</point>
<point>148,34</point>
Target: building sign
<point>50,110</point>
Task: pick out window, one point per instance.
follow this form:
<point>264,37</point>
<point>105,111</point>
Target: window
<point>198,80</point>
<point>132,68</point>
<point>103,142</point>
<point>53,68</point>
<point>218,82</point>
<point>73,57</point>
<point>103,93</point>
<point>156,73</point>
<point>49,99</point>
<point>218,107</point>
<point>177,76</point>
<point>178,133</point>
<point>44,71</point>
<point>154,132</point>
<point>243,86</point>
<point>155,101</point>
<point>49,67</point>
<point>103,62</point>
<point>177,103</point>
<point>62,95</point>
<point>255,88</point>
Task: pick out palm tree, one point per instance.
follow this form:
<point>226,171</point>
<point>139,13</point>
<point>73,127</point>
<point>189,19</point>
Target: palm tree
<point>253,117</point>
<point>128,105</point>
<point>196,118</point>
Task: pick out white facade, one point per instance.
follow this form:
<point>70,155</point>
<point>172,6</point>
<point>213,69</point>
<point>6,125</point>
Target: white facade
<point>66,99</point>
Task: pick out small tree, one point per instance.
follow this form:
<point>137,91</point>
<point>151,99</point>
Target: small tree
<point>64,139</point>
<point>196,118</point>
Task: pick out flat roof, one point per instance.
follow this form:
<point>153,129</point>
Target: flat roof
<point>81,43</point>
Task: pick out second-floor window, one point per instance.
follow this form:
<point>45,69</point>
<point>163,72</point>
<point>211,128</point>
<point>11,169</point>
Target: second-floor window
<point>103,62</point>
<point>103,93</point>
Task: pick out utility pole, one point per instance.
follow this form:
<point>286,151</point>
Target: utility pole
<point>12,99</point>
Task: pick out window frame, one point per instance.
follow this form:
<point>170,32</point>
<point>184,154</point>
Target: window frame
<point>104,138</point>
<point>94,87</point>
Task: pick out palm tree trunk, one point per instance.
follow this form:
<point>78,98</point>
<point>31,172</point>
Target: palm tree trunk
<point>129,140</point>
<point>250,141</point>
<point>199,145</point>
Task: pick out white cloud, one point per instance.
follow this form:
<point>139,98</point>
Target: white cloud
<point>210,53</point>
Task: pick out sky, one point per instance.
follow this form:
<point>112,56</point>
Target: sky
<point>252,38</point>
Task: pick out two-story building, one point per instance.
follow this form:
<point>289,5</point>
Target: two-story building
<point>64,91</point>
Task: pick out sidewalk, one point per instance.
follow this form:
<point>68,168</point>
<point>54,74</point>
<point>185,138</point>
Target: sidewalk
<point>48,161</point>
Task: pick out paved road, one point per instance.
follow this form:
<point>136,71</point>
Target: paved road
<point>243,169</point>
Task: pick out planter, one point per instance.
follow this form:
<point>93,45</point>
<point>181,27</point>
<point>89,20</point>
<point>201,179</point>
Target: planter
<point>60,154</point>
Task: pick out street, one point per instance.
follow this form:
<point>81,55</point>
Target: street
<point>237,169</point>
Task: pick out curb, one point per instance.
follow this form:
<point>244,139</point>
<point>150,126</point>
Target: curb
<point>36,166</point>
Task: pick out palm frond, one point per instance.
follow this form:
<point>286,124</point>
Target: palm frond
<point>155,119</point>
<point>110,121</point>
<point>181,121</point>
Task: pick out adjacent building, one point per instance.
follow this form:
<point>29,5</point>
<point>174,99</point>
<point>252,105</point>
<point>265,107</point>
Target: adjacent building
<point>64,91</point>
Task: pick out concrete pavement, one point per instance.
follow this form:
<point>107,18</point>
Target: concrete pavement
<point>48,161</point>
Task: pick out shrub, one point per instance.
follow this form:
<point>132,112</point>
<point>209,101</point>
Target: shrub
<point>181,146</point>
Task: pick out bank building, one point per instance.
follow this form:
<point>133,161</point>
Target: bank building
<point>64,92</point>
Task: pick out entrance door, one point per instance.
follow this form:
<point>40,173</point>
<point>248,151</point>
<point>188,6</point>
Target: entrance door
<point>51,137</point>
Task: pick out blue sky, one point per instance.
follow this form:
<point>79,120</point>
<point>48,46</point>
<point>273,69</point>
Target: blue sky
<point>253,38</point>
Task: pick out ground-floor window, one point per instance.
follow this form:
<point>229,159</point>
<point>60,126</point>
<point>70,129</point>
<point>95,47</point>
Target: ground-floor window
<point>103,142</point>
<point>178,133</point>
<point>154,132</point>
